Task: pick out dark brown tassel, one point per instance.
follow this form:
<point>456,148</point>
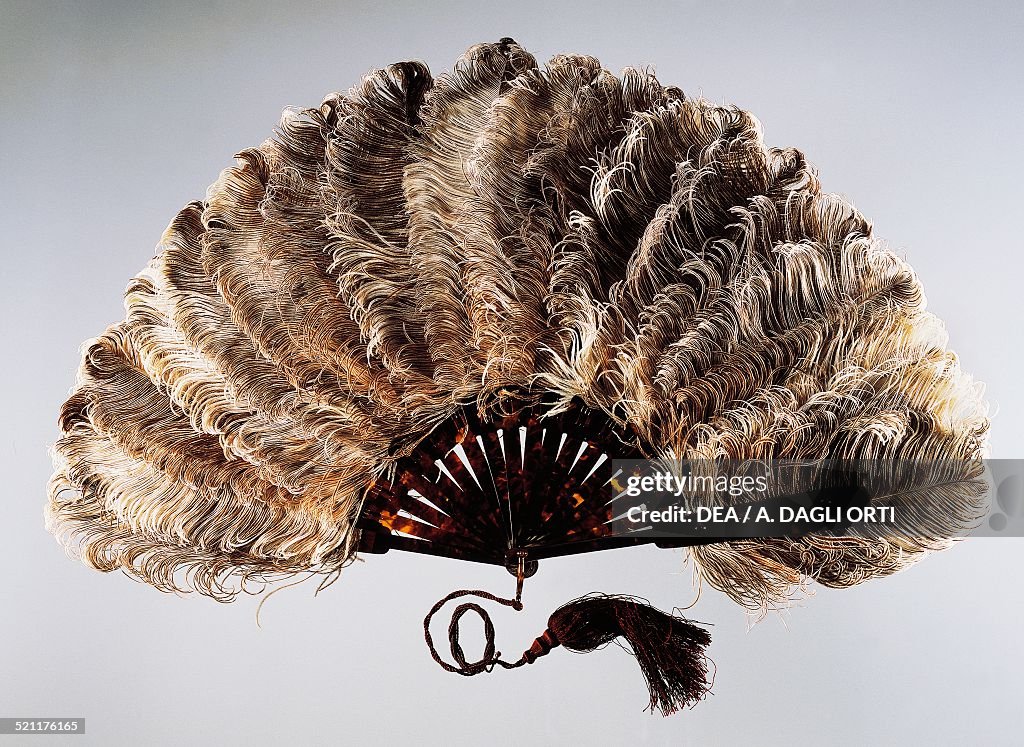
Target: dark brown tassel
<point>669,649</point>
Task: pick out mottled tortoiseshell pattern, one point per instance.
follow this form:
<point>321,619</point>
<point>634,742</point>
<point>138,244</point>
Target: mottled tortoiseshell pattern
<point>528,485</point>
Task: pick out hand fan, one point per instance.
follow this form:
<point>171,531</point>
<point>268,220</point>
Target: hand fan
<point>429,314</point>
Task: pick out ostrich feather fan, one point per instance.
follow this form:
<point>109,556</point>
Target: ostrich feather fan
<point>507,237</point>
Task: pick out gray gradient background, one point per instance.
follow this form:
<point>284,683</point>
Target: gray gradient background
<point>114,115</point>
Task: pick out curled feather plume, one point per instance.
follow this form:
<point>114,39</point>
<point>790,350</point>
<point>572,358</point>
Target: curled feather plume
<point>417,244</point>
